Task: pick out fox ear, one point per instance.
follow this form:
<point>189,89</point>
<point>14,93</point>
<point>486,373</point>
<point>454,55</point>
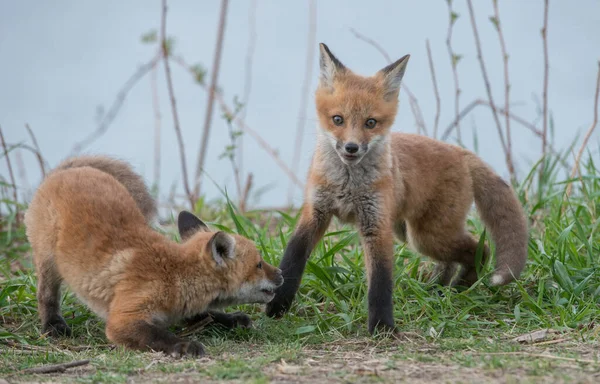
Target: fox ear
<point>392,75</point>
<point>188,224</point>
<point>330,66</point>
<point>222,246</point>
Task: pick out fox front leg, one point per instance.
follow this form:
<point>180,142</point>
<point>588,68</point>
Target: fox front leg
<point>227,320</point>
<point>312,226</point>
<point>378,245</point>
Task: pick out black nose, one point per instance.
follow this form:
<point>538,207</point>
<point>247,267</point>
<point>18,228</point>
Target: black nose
<point>351,147</point>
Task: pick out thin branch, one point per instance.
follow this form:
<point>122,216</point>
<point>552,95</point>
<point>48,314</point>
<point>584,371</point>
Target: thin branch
<point>231,155</point>
<point>109,117</point>
<point>244,127</point>
<point>12,177</point>
<point>246,193</point>
<point>270,150</point>
<point>38,152</point>
<point>157,120</point>
<point>211,96</point>
<point>545,89</point>
<point>498,26</point>
<point>301,121</point>
<point>56,367</point>
<point>588,134</point>
<point>539,355</point>
<point>454,58</point>
<point>414,103</point>
<point>248,77</point>
<point>509,162</point>
<point>466,110</point>
<point>165,55</point>
<point>435,91</point>
<point>22,173</point>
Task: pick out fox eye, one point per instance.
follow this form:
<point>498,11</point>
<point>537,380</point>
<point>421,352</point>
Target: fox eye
<point>338,120</point>
<point>371,123</point>
<point>259,265</point>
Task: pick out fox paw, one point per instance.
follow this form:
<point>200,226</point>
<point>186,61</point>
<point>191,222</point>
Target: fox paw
<point>187,348</point>
<point>240,319</point>
<point>277,308</point>
<point>56,326</point>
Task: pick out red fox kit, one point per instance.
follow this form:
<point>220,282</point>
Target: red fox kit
<point>87,224</point>
<point>411,186</point>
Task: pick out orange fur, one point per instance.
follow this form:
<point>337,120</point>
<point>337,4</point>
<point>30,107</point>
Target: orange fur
<point>86,228</point>
<point>393,183</point>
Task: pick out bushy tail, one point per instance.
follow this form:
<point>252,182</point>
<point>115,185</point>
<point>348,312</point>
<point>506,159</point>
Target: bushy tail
<point>505,219</point>
<point>124,173</point>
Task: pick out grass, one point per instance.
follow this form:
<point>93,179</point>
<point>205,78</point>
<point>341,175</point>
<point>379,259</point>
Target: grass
<point>458,335</point>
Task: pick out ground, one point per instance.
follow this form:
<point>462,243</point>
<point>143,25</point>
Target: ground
<point>246,356</point>
<point>445,334</point>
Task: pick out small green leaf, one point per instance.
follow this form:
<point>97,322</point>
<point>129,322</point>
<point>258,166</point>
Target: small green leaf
<point>149,37</point>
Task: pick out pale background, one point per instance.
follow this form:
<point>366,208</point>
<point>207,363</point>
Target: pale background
<point>59,61</point>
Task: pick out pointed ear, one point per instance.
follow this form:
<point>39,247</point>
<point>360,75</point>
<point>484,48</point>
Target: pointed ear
<point>330,66</point>
<point>222,247</point>
<point>392,75</point>
<point>188,224</point>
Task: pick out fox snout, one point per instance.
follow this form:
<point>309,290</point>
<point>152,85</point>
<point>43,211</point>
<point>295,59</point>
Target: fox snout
<point>351,152</point>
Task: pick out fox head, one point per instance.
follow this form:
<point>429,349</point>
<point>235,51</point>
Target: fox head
<point>244,277</point>
<point>355,112</point>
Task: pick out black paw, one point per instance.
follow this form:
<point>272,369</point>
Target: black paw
<point>187,348</point>
<point>277,307</point>
<point>381,326</point>
<point>56,326</point>
<point>241,320</point>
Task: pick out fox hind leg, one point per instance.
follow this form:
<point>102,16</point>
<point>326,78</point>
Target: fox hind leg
<point>48,296</point>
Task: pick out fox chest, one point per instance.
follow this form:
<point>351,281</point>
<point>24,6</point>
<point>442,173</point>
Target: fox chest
<point>348,205</point>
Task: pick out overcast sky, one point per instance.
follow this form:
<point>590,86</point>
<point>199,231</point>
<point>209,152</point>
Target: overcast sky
<point>60,61</point>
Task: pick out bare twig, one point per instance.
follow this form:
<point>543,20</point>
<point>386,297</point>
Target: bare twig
<point>414,103</point>
<point>477,102</point>
<point>197,326</point>
<point>469,107</point>
<point>231,155</point>
<point>540,355</point>
<point>454,58</point>
<point>38,152</point>
<point>264,145</point>
<point>56,367</point>
<point>588,134</point>
<point>246,193</point>
<point>12,177</point>
<point>498,25</point>
<point>109,117</point>
<point>509,162</point>
<point>157,119</point>
<point>545,89</point>
<point>211,95</point>
<point>300,123</point>
<point>245,128</point>
<point>248,77</point>
<point>435,91</point>
<point>22,173</point>
<point>165,55</point>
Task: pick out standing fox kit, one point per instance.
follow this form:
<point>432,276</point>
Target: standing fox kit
<point>411,186</point>
<point>88,225</point>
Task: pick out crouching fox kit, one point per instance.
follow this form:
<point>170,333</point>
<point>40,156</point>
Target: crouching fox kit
<point>411,186</point>
<point>88,225</point>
